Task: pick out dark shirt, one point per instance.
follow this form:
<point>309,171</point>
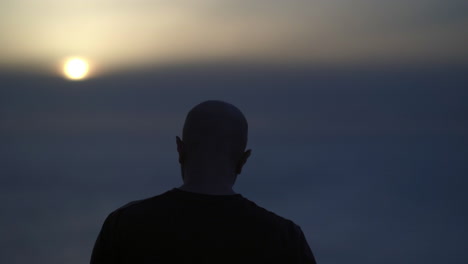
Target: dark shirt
<point>184,227</point>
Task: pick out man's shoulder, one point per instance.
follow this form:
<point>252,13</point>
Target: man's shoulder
<point>274,219</point>
<point>140,206</point>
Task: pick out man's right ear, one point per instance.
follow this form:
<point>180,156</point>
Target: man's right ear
<point>242,161</point>
<point>180,149</point>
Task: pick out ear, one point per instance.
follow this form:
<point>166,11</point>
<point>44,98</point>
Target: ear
<point>180,149</point>
<point>243,160</point>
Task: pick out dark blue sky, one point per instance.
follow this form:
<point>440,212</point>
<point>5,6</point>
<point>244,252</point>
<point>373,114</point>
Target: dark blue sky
<point>371,162</point>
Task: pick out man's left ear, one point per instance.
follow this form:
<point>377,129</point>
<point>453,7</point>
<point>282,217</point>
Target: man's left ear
<point>180,149</point>
<point>243,160</point>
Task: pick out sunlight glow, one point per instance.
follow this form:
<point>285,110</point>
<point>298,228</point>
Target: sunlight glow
<point>76,69</point>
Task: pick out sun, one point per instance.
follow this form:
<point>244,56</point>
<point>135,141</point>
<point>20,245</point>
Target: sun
<point>76,69</point>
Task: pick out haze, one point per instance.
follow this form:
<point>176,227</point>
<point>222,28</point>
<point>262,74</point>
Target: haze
<point>123,33</point>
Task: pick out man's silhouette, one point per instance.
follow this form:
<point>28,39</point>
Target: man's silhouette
<point>204,220</point>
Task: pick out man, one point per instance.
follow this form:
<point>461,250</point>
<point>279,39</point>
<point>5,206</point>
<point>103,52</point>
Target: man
<point>204,220</point>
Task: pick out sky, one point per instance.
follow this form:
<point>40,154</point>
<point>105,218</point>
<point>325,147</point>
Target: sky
<point>121,34</point>
<point>357,116</point>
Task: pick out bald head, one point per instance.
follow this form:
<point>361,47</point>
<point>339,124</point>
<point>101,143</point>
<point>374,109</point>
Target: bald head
<point>212,152</point>
<point>215,130</point>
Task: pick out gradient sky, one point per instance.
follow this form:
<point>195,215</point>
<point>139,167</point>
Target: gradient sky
<point>123,33</point>
<point>357,112</point>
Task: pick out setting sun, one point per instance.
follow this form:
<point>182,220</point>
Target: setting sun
<point>76,69</point>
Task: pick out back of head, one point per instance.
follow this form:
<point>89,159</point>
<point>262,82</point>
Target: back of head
<point>215,131</point>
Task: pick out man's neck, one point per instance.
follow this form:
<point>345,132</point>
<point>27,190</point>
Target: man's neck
<point>207,189</point>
